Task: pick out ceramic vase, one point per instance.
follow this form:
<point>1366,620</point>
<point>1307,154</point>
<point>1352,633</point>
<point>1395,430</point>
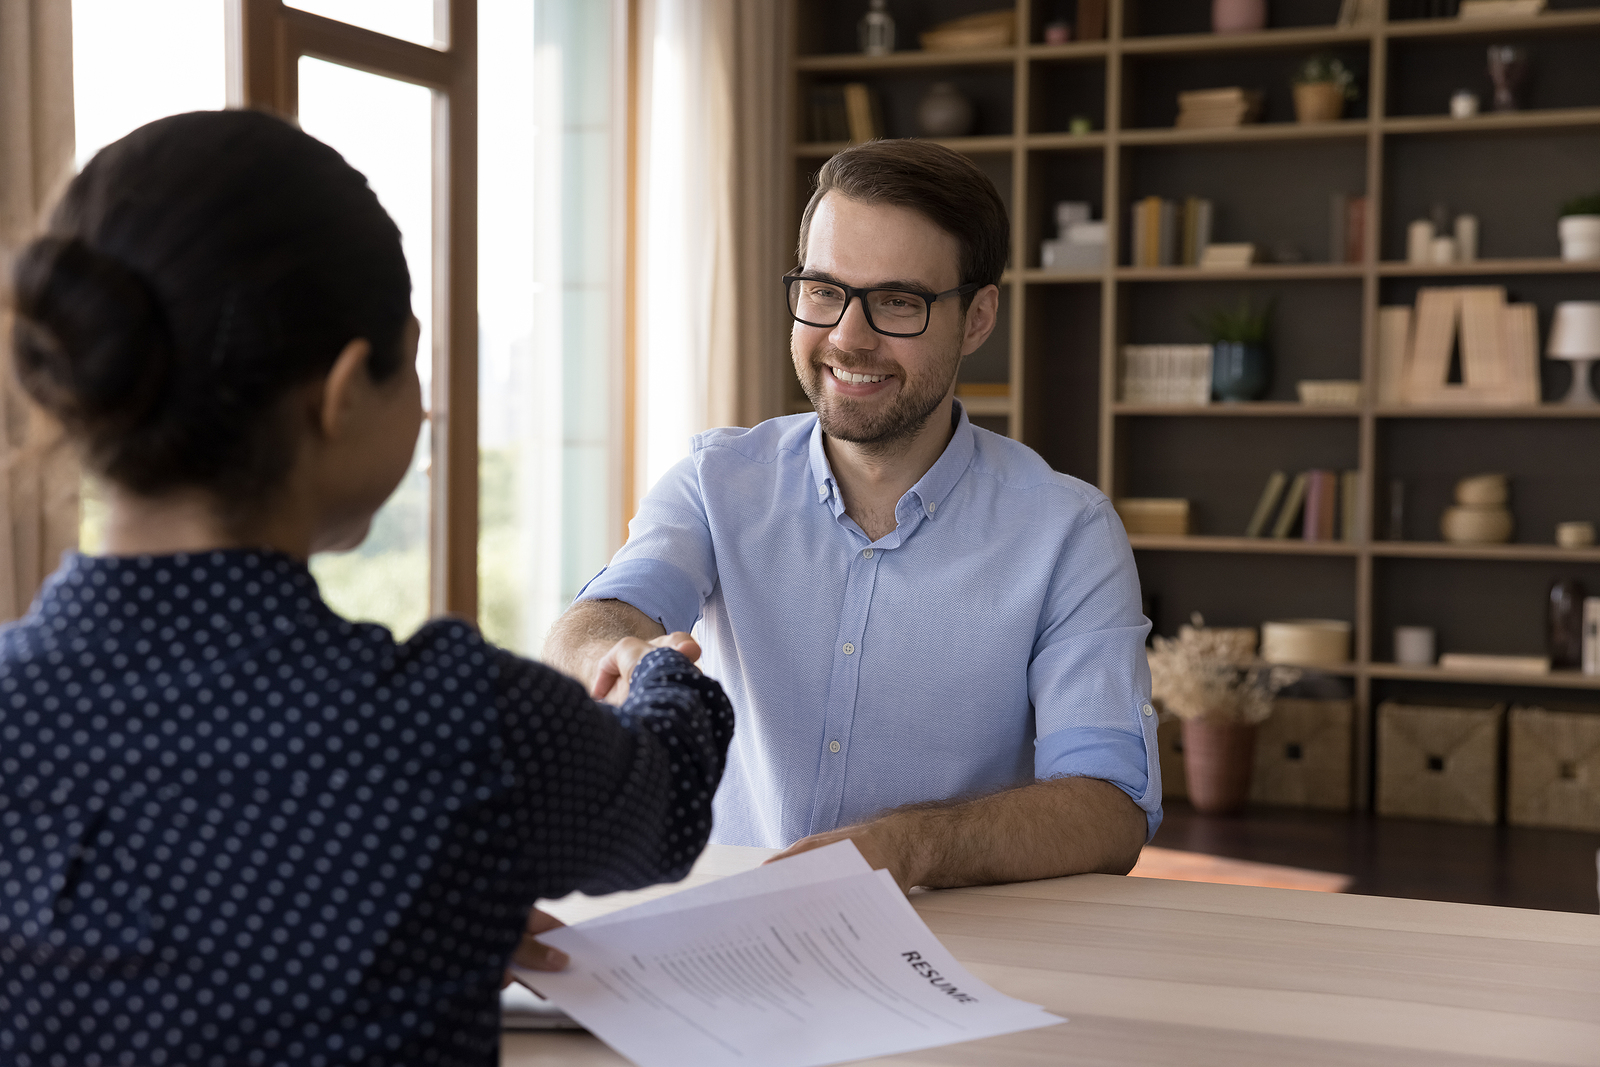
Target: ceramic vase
<point>1580,236</point>
<point>944,112</point>
<point>1240,371</point>
<point>1318,101</point>
<point>1218,758</point>
<point>1238,16</point>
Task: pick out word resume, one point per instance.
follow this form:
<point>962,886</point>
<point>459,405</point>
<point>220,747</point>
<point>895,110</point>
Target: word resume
<point>811,960</point>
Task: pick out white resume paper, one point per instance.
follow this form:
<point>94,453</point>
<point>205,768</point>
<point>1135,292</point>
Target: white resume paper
<point>821,963</point>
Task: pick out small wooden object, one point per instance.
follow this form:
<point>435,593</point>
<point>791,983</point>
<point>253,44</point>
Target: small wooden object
<point>1154,515</point>
<point>1323,642</point>
<point>1554,769</point>
<point>1439,763</point>
<point>987,29</point>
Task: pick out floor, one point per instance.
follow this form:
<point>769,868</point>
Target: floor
<point>1511,866</point>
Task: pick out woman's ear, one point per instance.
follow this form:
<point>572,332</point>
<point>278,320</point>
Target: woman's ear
<point>347,380</point>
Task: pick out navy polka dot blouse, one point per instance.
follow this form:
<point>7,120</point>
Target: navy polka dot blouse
<point>238,829</point>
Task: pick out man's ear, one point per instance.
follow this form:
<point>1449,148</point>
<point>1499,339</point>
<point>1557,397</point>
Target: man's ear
<point>342,388</point>
<point>982,315</point>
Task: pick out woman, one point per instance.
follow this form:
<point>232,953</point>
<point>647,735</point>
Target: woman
<point>234,827</point>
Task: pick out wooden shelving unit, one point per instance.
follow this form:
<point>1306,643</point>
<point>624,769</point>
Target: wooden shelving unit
<point>1061,333</point>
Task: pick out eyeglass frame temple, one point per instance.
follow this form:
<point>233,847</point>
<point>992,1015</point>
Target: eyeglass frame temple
<point>851,292</point>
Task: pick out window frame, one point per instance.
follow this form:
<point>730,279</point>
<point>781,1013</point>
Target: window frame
<point>265,40</point>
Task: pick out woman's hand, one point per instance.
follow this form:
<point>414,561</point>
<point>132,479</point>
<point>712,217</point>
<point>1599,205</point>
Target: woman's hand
<point>530,953</point>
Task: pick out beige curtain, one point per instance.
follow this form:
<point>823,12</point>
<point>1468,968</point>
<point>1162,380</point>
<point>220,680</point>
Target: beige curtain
<point>748,360</point>
<point>38,477</point>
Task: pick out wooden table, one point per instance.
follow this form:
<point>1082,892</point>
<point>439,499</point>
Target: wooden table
<point>1187,973</point>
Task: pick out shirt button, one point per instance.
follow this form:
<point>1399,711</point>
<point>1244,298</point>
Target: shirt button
<point>932,507</point>
<point>849,649</point>
<point>866,553</point>
<point>833,746</point>
<point>1148,710</point>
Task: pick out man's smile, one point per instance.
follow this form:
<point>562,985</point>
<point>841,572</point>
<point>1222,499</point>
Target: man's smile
<point>854,378</point>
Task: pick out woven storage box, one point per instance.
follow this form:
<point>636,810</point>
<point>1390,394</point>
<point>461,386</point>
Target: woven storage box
<point>1554,764</point>
<point>1303,755</point>
<point>1439,763</point>
<point>1169,746</point>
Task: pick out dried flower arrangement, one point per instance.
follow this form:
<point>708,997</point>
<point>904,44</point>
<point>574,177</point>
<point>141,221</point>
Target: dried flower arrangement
<point>1214,675</point>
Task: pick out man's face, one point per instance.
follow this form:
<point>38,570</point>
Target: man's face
<point>867,388</point>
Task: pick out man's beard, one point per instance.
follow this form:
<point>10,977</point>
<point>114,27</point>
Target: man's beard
<point>847,419</point>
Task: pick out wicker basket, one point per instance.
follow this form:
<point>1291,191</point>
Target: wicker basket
<point>989,29</point>
<point>1303,755</point>
<point>1329,394</point>
<point>1439,763</point>
<point>1554,775</point>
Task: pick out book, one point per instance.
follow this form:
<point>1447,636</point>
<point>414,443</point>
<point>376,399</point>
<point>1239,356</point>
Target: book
<point>828,118</point>
<point>1196,230</point>
<point>1394,347</point>
<point>1167,247</point>
<point>1293,502</point>
<point>864,112</point>
<point>1322,489</point>
<point>1228,256</point>
<point>1166,374</point>
<point>1519,345</point>
<point>1483,661</point>
<point>1349,504</point>
<point>1433,343</point>
<point>1499,9</point>
<point>1153,515</point>
<point>1211,108</point>
<point>1355,230</point>
<point>1270,495</point>
<point>1482,364</point>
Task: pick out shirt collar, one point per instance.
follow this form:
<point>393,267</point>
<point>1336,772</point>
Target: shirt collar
<point>930,490</point>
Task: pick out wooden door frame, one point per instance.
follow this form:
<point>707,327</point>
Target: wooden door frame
<point>265,41</point>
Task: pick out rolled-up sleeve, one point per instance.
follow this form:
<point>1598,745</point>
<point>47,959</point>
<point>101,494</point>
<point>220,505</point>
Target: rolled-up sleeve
<point>1089,681</point>
<point>668,567</point>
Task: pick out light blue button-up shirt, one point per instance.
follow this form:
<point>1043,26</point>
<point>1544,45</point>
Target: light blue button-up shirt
<point>993,638</point>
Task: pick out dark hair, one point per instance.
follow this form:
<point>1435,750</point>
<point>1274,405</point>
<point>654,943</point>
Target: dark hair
<point>928,178</point>
<point>193,273</point>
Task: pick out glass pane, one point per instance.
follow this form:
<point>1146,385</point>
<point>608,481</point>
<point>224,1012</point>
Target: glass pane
<point>132,64</point>
<point>409,20</point>
<point>383,128</point>
<point>549,498</point>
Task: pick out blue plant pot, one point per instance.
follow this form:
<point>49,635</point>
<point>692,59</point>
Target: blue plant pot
<point>1240,371</point>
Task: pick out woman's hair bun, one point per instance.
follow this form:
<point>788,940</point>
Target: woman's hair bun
<point>91,343</point>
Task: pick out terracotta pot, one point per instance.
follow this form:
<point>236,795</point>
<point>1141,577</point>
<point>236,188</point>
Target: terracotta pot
<point>1318,101</point>
<point>1217,760</point>
<point>1238,16</point>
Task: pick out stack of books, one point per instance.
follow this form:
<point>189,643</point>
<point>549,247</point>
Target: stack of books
<point>1168,233</point>
<point>850,112</point>
<point>1347,228</point>
<point>1228,257</point>
<point>1154,516</point>
<point>1211,108</point>
<point>1315,505</point>
<point>1166,374</point>
<point>1498,346</point>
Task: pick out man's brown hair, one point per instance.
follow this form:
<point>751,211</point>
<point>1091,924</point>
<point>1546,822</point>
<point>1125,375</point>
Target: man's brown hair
<point>940,184</point>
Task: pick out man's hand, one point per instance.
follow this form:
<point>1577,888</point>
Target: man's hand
<point>883,843</point>
<point>615,668</point>
<point>530,953</point>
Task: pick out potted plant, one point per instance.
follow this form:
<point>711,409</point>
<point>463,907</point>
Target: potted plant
<point>1321,86</point>
<point>1211,680</point>
<point>1241,368</point>
<point>1580,228</point>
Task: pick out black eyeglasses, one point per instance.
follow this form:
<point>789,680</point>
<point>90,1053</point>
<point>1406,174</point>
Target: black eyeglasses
<point>891,312</point>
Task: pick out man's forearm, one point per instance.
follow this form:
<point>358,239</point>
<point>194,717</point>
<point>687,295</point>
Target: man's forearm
<point>588,629</point>
<point>1044,830</point>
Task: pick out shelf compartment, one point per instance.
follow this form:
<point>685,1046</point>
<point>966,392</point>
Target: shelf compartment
<point>1268,546</point>
<point>1503,553</point>
<point>1252,132</point>
<point>1553,680</point>
<point>1255,409</point>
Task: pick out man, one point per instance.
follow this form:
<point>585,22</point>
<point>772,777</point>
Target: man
<point>932,641</point>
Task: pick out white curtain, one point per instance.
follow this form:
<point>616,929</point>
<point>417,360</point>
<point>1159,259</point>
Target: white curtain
<point>38,476</point>
<point>711,344</point>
